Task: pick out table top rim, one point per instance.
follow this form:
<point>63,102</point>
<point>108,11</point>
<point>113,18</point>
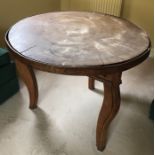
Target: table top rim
<point>31,61</point>
<point>15,52</point>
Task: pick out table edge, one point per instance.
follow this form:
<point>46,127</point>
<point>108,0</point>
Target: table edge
<point>81,70</point>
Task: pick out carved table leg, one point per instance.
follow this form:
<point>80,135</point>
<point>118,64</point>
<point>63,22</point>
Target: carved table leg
<point>109,108</point>
<point>91,83</point>
<point>28,76</point>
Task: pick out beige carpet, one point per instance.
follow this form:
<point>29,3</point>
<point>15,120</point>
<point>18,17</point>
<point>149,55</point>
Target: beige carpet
<point>65,122</point>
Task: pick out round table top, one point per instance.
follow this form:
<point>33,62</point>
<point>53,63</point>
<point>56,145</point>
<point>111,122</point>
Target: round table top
<point>77,39</point>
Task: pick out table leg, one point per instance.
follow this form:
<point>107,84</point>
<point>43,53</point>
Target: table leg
<point>109,108</point>
<point>26,73</point>
<point>91,83</point>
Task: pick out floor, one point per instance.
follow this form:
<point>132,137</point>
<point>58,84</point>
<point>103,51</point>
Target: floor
<point>65,122</point>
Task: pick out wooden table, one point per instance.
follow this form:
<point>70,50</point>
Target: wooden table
<point>79,43</point>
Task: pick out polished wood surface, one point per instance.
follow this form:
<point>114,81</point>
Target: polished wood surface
<point>79,43</point>
<point>109,107</point>
<point>91,83</point>
<point>28,76</point>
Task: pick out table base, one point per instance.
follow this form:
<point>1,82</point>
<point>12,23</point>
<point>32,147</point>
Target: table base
<point>110,106</point>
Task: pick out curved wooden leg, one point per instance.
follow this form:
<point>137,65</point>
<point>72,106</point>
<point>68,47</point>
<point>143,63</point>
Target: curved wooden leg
<point>91,83</point>
<point>28,76</point>
<point>109,108</point>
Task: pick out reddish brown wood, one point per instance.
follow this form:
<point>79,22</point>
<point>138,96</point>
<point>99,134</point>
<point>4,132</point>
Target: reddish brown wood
<point>109,108</point>
<point>91,83</point>
<point>28,76</point>
<point>79,43</point>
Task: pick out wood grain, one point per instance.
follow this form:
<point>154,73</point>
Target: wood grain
<point>79,43</point>
<point>77,39</point>
<point>28,76</point>
<point>109,108</point>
